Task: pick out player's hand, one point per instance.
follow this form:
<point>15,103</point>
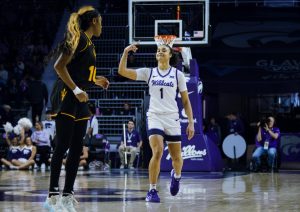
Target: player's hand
<point>190,131</point>
<point>82,97</point>
<point>102,82</point>
<point>133,47</point>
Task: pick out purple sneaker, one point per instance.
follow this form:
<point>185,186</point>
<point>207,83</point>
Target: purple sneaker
<point>152,196</point>
<point>174,187</point>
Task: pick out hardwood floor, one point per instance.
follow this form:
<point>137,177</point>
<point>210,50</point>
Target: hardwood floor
<point>125,191</point>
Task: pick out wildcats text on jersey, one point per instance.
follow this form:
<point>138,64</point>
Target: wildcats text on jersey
<point>162,83</point>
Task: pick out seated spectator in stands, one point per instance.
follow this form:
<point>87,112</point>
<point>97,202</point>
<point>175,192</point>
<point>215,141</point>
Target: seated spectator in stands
<point>83,158</point>
<point>6,114</point>
<point>37,95</point>
<point>19,68</point>
<point>26,154</point>
<point>13,152</point>
<point>49,126</point>
<point>126,110</point>
<point>40,138</point>
<point>214,131</point>
<point>107,111</point>
<point>3,75</point>
<point>132,144</point>
<point>92,126</point>
<point>235,124</point>
<point>267,141</point>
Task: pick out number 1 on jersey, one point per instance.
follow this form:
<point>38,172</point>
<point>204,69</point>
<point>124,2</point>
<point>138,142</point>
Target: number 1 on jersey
<point>92,76</point>
<point>161,93</point>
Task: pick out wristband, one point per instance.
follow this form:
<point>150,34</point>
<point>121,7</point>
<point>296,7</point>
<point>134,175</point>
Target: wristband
<point>77,91</point>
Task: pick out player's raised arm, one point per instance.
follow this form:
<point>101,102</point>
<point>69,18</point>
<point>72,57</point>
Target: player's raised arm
<point>123,70</point>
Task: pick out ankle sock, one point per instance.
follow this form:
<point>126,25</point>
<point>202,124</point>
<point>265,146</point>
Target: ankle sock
<point>152,186</point>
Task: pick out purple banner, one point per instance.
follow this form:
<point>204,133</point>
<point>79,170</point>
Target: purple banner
<point>199,154</point>
<point>290,147</point>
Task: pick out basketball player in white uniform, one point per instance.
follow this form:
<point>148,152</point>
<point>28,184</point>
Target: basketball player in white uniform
<point>162,116</point>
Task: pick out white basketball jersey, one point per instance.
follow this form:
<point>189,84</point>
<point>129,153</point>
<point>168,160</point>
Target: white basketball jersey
<point>163,88</point>
<point>163,91</point>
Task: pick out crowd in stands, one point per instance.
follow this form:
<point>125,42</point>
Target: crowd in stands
<point>27,32</point>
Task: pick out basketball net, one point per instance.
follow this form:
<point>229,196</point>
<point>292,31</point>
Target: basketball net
<point>165,40</point>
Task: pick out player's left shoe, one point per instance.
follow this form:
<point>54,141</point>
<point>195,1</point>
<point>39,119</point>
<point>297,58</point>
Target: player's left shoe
<point>69,202</point>
<point>174,187</point>
<point>152,196</point>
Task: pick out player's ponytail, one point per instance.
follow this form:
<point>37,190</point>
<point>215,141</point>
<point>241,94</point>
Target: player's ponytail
<point>73,33</point>
<point>78,21</point>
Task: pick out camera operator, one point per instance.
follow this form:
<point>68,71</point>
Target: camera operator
<point>267,139</point>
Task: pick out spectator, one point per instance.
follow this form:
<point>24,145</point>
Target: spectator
<point>37,95</point>
<point>26,154</point>
<point>126,110</point>
<point>214,131</point>
<point>40,138</point>
<point>92,125</point>
<point>267,140</point>
<point>6,114</point>
<point>49,126</point>
<point>13,152</point>
<point>3,75</point>
<point>19,69</point>
<point>235,124</point>
<point>133,145</point>
<point>83,158</point>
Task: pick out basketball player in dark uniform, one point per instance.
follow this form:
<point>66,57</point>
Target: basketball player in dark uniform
<point>76,69</point>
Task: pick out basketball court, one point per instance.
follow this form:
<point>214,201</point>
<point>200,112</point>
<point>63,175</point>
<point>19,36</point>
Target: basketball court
<point>204,185</point>
<point>125,191</point>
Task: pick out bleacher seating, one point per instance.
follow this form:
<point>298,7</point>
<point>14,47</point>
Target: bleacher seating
<point>115,19</point>
<point>107,60</point>
<point>110,46</point>
<point>112,126</point>
<point>113,32</point>
<point>126,90</point>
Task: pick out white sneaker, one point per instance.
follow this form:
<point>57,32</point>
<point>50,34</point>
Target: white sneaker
<point>12,167</point>
<point>122,167</point>
<point>53,204</point>
<point>69,203</point>
<point>131,167</point>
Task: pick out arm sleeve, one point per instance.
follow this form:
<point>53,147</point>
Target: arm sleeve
<point>95,126</point>
<point>181,81</point>
<point>143,74</point>
<point>33,138</point>
<point>276,130</point>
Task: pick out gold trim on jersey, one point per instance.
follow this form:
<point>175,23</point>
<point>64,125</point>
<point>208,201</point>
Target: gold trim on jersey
<point>54,115</point>
<point>87,44</point>
<point>81,119</point>
<point>68,115</point>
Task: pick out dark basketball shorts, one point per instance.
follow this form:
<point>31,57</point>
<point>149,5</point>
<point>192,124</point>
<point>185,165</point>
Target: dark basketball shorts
<point>64,102</point>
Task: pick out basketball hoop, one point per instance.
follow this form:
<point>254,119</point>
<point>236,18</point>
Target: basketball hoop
<point>165,40</point>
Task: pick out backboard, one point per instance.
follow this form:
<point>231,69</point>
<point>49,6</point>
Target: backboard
<point>187,19</point>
